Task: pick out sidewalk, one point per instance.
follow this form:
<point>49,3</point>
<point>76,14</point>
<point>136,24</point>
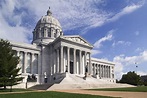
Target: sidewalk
<point>108,93</point>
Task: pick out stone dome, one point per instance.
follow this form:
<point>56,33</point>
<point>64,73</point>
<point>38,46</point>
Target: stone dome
<point>47,29</point>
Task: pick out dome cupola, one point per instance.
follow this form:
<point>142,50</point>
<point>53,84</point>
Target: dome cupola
<point>47,29</point>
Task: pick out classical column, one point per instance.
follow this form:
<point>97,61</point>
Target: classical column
<point>90,66</point>
<point>25,62</point>
<point>94,69</point>
<point>51,60</point>
<point>74,63</point>
<point>18,65</point>
<point>80,62</point>
<point>36,63</point>
<point>98,70</point>
<point>108,72</point>
<point>58,60</point>
<point>104,71</point>
<point>17,53</point>
<point>32,62</point>
<point>85,61</point>
<point>61,60</point>
<point>101,70</point>
<point>68,59</point>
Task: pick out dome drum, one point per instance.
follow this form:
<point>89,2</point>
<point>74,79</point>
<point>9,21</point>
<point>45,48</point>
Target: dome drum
<point>47,28</point>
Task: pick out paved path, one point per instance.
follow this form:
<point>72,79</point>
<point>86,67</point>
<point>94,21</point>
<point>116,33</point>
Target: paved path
<point>92,92</point>
<point>109,93</point>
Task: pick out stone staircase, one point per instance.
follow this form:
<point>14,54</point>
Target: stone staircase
<point>77,82</point>
<point>42,86</point>
<point>71,81</point>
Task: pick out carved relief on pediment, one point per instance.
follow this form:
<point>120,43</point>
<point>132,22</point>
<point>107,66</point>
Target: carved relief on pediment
<point>77,39</point>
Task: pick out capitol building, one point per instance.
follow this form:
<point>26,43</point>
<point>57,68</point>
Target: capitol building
<point>55,58</point>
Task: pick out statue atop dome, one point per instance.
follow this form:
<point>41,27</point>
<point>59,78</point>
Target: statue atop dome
<point>49,13</point>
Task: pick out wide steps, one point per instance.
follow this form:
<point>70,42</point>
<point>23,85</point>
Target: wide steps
<point>41,86</point>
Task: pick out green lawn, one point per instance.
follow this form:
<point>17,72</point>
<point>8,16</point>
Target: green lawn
<point>129,89</point>
<point>49,94</point>
<point>14,90</point>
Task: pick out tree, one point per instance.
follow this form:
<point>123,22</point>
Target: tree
<point>8,65</point>
<point>131,78</point>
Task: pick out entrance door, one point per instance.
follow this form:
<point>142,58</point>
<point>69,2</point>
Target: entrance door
<point>71,67</point>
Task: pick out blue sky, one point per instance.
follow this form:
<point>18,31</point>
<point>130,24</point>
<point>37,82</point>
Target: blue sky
<point>116,28</point>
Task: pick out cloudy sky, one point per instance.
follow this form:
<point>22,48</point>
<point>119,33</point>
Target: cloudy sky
<point>116,28</point>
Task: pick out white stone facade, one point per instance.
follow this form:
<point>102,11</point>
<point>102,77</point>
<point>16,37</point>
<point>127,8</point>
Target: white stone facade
<point>52,54</point>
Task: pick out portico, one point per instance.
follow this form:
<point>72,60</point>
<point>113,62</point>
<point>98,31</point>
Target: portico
<point>70,58</point>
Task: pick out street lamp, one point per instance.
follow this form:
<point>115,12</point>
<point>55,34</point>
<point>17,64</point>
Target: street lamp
<point>136,67</point>
<point>11,78</point>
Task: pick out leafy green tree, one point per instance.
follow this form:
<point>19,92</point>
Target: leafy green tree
<point>131,78</point>
<point>8,65</point>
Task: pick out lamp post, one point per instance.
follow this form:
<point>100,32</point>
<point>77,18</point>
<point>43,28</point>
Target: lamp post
<point>11,78</point>
<point>136,67</point>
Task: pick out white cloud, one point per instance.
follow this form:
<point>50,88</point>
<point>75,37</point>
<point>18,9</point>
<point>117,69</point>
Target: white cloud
<point>10,25</point>
<point>144,55</point>
<point>126,10</point>
<point>138,49</point>
<point>123,62</point>
<point>125,43</point>
<point>141,73</point>
<point>95,52</point>
<point>71,14</point>
<point>108,37</point>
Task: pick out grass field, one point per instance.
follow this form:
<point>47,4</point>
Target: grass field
<point>49,94</point>
<point>14,90</point>
<point>129,89</point>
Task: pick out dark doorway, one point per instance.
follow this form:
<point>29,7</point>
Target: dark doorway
<point>71,67</point>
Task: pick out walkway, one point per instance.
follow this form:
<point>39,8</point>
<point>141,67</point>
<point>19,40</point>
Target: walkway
<point>108,93</point>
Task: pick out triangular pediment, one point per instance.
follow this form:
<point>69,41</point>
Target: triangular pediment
<point>77,39</point>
